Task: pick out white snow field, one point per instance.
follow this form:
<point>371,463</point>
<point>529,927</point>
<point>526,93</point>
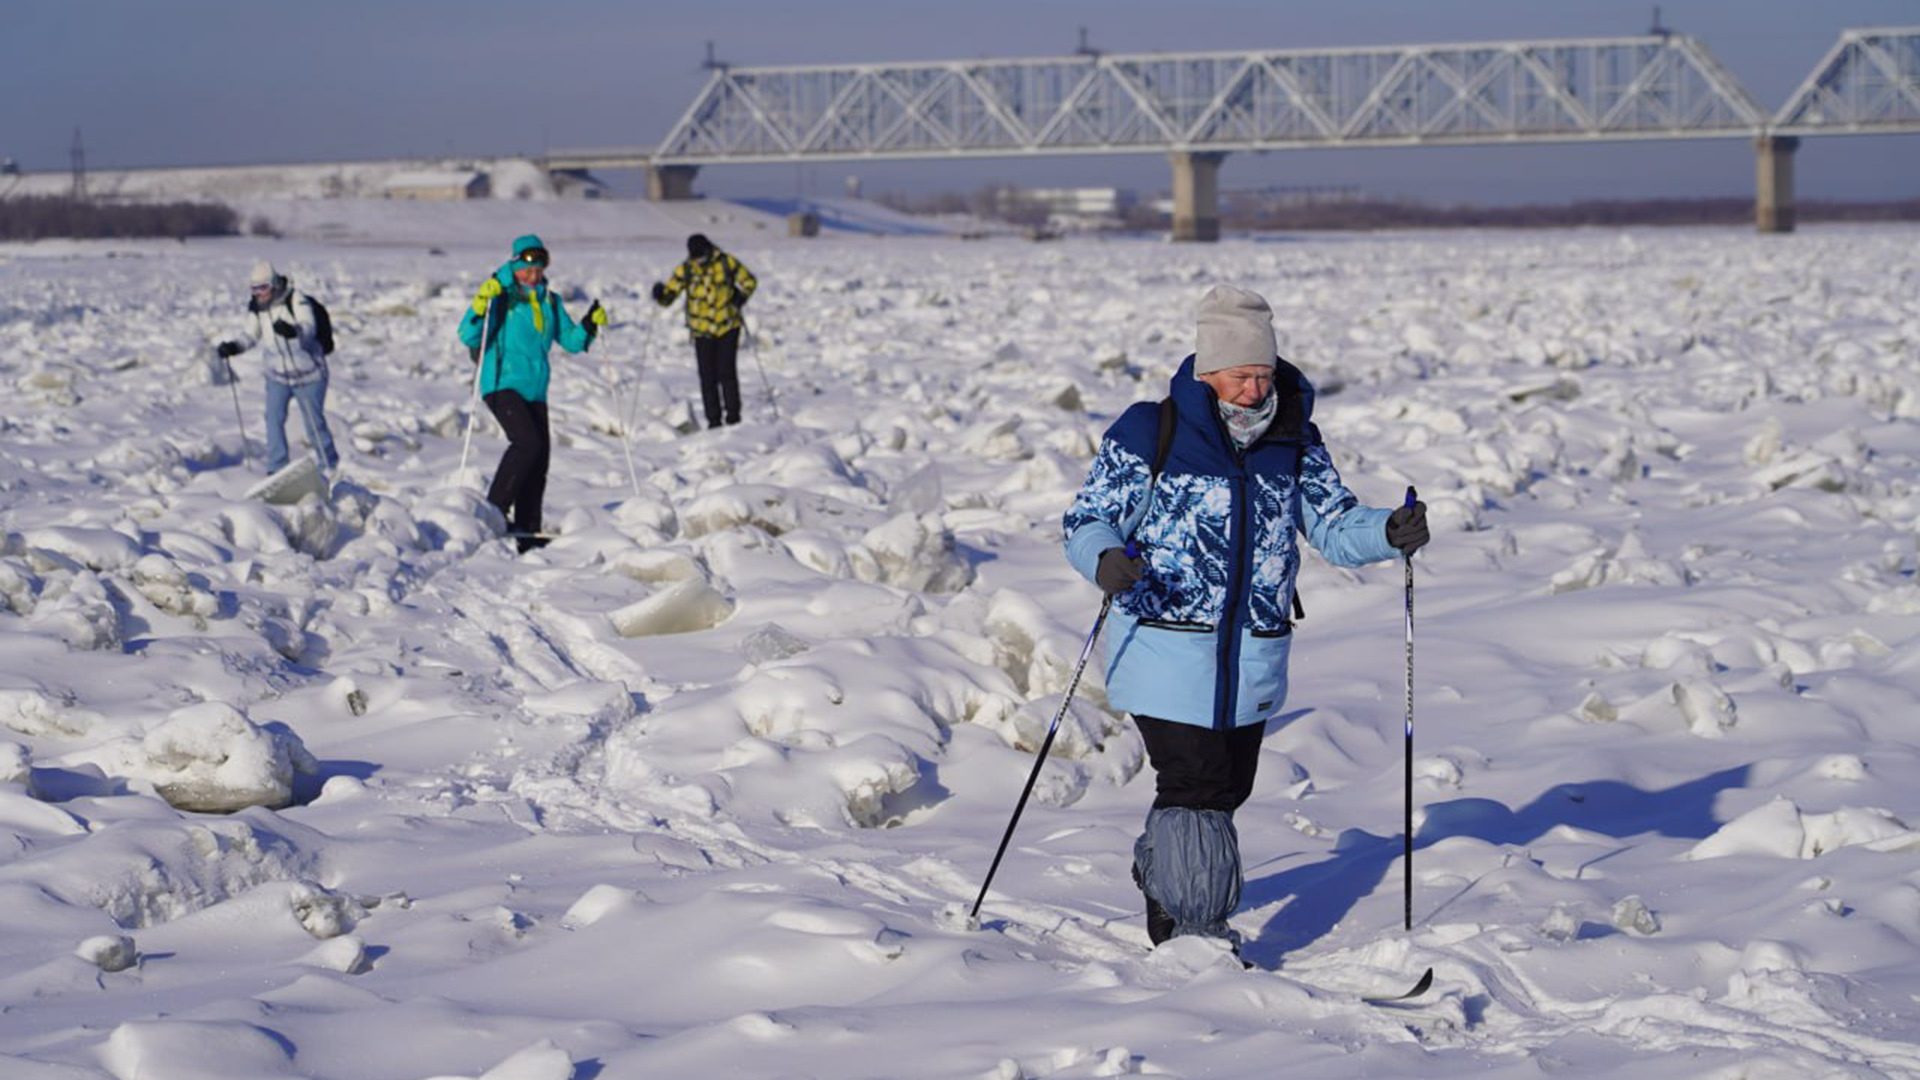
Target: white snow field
<point>704,788</point>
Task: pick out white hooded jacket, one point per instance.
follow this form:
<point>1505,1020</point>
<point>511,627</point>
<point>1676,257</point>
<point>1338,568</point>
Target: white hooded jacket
<point>292,361</point>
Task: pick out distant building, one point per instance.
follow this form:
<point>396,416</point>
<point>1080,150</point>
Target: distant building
<point>1255,201</point>
<point>1063,208</point>
<point>577,184</point>
<point>1287,196</point>
<point>448,186</point>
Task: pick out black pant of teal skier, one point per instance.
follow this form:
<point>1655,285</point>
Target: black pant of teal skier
<point>520,483</point>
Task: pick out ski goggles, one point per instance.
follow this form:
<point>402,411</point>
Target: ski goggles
<point>532,257</point>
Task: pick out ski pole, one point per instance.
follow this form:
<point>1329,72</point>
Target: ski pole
<point>620,410</point>
<point>480,365</point>
<point>771,400</point>
<point>1411,498</point>
<point>630,405</point>
<point>1045,745</point>
<point>233,383</point>
<point>306,411</point>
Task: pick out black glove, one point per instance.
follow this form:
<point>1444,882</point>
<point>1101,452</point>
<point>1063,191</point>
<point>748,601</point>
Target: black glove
<point>660,293</point>
<point>740,298</point>
<point>285,329</point>
<point>1117,571</point>
<point>1407,528</point>
<point>586,322</point>
<point>227,348</point>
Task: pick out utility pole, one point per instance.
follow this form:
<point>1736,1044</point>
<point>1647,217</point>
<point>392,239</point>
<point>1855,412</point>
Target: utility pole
<point>79,156</point>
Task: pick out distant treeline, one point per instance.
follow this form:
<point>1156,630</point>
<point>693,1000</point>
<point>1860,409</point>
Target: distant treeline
<point>38,217</point>
<point>1400,215</point>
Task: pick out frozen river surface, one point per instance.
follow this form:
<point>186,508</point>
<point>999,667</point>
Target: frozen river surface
<point>696,790</point>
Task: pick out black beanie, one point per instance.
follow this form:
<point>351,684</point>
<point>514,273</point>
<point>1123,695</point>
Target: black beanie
<point>698,246</point>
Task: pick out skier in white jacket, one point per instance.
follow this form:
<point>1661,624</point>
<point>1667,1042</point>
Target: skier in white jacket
<point>280,320</point>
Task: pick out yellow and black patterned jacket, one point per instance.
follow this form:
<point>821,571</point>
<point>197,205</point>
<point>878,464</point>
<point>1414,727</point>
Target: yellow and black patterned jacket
<point>716,287</point>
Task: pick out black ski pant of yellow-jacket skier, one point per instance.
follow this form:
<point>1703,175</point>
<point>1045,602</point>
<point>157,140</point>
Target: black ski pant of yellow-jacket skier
<point>717,358</point>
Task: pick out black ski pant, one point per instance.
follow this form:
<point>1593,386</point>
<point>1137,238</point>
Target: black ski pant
<point>717,358</point>
<point>520,483</point>
<point>1199,768</point>
<point>1187,861</point>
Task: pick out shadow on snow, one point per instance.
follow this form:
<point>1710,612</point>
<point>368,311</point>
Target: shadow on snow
<point>1325,892</point>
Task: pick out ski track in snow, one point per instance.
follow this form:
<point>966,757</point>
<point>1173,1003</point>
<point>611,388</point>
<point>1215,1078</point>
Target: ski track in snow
<point>706,786</point>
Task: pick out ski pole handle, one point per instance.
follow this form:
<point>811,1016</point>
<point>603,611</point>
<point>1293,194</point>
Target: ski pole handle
<point>1412,497</point>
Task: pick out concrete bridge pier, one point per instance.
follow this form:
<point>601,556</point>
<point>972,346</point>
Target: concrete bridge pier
<point>1196,196</point>
<point>667,183</point>
<point>1773,185</point>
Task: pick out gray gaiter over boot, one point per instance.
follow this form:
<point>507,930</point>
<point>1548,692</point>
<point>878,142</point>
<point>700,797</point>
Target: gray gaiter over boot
<point>1189,860</point>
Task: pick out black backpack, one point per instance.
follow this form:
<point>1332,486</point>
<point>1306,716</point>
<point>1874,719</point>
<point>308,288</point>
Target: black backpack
<point>322,325</point>
<point>322,322</point>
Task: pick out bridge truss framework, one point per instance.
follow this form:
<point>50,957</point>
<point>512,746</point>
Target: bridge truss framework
<point>1197,107</point>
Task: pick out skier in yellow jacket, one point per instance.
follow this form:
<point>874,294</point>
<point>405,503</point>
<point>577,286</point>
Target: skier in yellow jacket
<point>717,287</point>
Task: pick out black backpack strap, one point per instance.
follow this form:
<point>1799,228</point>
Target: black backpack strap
<point>1163,443</point>
<point>1169,417</point>
<point>1312,439</point>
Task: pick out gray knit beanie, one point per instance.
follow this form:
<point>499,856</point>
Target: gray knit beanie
<point>1235,329</point>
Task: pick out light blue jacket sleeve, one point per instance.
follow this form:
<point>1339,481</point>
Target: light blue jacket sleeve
<point>1344,532</point>
<point>1108,506</point>
<point>571,335</point>
<point>470,329</point>
<point>471,324</point>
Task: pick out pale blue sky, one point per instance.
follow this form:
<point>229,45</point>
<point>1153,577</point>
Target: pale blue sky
<point>178,82</point>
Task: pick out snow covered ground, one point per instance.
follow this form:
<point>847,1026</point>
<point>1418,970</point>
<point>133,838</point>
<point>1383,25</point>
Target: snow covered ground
<point>697,790</point>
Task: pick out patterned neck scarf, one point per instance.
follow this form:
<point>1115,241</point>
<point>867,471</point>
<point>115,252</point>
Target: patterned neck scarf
<point>1246,423</point>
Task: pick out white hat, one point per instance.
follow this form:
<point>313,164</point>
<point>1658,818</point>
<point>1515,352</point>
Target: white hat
<point>1235,329</point>
<point>263,273</point>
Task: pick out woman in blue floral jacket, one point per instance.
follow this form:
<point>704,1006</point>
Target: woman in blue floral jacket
<point>1199,632</point>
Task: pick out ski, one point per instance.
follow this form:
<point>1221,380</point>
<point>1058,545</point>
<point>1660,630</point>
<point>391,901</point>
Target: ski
<point>295,481</point>
<point>1419,988</point>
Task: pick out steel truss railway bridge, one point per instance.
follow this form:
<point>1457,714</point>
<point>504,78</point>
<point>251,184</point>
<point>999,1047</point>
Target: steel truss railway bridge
<point>1198,107</point>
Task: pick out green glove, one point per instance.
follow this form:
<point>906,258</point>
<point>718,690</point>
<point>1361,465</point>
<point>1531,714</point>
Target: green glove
<point>597,315</point>
<point>488,290</point>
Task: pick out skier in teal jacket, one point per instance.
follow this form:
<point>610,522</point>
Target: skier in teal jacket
<point>518,319</point>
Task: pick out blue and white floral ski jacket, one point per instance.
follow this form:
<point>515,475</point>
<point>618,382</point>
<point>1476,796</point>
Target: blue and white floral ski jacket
<point>1203,637</point>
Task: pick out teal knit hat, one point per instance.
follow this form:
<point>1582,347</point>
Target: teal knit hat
<point>526,243</point>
